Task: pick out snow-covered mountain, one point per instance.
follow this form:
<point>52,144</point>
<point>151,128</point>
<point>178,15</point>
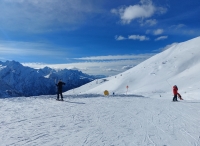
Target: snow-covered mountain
<point>18,80</point>
<point>178,65</point>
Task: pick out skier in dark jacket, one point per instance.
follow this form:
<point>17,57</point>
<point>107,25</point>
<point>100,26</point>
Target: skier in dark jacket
<point>59,91</point>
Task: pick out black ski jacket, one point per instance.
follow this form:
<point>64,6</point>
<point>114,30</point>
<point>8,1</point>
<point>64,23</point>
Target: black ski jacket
<point>60,84</point>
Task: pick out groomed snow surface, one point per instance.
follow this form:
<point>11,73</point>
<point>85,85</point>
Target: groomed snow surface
<point>99,121</point>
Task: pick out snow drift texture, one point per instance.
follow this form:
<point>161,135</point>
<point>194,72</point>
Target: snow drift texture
<point>17,80</point>
<point>179,65</point>
<point>98,121</point>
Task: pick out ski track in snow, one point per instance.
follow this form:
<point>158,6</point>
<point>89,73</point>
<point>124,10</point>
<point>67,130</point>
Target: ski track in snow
<point>99,121</point>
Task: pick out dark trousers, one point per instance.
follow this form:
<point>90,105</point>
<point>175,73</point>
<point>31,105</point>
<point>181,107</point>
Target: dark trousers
<point>59,93</point>
<point>175,97</point>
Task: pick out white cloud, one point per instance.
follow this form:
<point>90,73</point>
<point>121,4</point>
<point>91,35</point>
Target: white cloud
<point>99,65</point>
<point>178,26</point>
<point>44,15</point>
<point>127,67</point>
<point>119,38</point>
<point>158,31</point>
<point>73,68</point>
<point>161,38</point>
<point>138,37</point>
<point>161,10</point>
<point>144,10</point>
<point>26,48</point>
<point>127,14</point>
<point>150,22</point>
<point>11,50</point>
<point>115,57</point>
<point>132,37</point>
<point>111,70</point>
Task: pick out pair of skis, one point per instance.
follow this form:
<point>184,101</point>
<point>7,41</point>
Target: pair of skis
<point>179,96</point>
<point>59,99</point>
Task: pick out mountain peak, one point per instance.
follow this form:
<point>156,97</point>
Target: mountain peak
<point>12,63</point>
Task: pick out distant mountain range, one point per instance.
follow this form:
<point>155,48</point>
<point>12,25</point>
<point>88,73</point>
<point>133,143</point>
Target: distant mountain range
<point>18,80</point>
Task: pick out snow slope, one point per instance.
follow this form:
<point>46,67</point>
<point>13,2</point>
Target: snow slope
<point>98,121</point>
<point>179,65</point>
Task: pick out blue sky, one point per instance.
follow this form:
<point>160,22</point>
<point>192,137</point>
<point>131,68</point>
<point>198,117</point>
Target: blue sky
<point>96,37</point>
